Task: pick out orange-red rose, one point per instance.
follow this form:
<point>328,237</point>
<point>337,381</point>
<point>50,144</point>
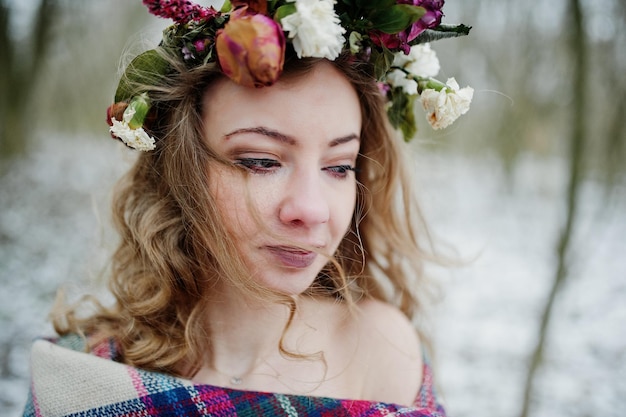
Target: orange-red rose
<point>251,49</point>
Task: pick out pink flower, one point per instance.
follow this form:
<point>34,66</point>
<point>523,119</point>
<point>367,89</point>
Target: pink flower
<point>201,44</point>
<point>251,49</point>
<point>431,19</point>
<point>180,11</point>
<point>384,88</point>
<point>116,111</point>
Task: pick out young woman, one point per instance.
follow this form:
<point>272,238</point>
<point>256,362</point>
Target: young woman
<point>270,254</point>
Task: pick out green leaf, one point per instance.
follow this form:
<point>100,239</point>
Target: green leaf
<point>354,41</point>
<point>284,11</point>
<point>430,83</point>
<point>401,113</point>
<point>348,3</point>
<point>441,32</point>
<point>226,7</point>
<point>141,105</point>
<point>209,55</point>
<point>375,4</point>
<point>396,18</point>
<point>271,5</point>
<point>146,68</point>
<point>415,13</point>
<point>382,61</point>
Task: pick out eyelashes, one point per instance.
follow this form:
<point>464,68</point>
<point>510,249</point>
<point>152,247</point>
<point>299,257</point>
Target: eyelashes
<point>257,165</point>
<point>266,166</point>
<point>340,169</point>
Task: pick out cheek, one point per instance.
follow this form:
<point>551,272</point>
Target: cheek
<point>243,205</point>
<point>343,206</point>
<point>229,197</point>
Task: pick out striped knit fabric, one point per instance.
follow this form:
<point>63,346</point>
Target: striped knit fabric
<point>67,382</point>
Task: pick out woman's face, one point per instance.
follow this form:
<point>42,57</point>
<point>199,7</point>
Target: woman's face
<point>296,144</point>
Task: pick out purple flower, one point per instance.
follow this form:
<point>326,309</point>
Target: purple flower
<point>384,88</point>
<point>430,19</point>
<point>180,11</point>
<point>200,44</point>
<point>187,55</point>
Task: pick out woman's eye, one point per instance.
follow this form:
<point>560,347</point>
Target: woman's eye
<point>340,171</point>
<point>258,165</point>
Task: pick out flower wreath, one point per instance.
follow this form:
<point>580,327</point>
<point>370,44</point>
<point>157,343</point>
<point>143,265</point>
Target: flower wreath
<point>248,39</point>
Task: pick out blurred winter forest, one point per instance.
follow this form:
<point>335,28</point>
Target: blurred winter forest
<point>530,186</point>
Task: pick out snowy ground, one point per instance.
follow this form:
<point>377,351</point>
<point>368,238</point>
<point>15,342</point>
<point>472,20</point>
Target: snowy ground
<point>51,232</point>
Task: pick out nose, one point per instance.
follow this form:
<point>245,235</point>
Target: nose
<point>304,201</point>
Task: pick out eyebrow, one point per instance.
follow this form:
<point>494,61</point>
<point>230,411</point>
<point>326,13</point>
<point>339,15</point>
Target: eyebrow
<point>274,134</point>
<point>344,139</point>
<point>263,131</point>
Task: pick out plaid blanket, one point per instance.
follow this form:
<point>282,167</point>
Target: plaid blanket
<point>68,382</point>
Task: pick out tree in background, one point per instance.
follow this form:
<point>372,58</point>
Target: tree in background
<point>577,47</point>
<point>21,66</point>
<point>59,66</point>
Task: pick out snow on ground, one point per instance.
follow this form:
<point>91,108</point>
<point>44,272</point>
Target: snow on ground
<point>488,321</point>
<point>53,214</point>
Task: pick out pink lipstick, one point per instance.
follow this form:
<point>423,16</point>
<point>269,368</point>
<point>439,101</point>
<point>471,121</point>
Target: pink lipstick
<point>292,257</point>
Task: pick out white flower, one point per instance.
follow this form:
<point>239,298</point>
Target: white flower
<point>421,61</point>
<point>315,29</point>
<point>398,78</point>
<point>134,138</point>
<point>424,61</point>
<point>445,106</point>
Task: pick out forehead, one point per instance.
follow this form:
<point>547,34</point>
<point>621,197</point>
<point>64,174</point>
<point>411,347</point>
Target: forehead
<point>320,104</point>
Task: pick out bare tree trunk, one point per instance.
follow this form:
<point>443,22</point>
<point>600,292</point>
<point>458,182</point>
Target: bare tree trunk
<point>6,63</point>
<point>18,76</point>
<point>578,50</point>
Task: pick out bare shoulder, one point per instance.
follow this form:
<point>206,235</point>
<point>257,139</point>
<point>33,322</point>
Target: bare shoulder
<point>391,353</point>
<point>374,354</point>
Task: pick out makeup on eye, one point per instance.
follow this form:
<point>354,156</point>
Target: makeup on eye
<point>340,171</point>
<point>266,165</point>
<point>258,165</point>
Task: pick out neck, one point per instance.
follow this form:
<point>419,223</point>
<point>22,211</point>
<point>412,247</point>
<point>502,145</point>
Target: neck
<point>244,332</point>
<point>244,337</point>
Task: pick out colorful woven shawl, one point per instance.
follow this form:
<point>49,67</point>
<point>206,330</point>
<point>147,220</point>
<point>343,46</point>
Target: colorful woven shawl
<point>67,382</point>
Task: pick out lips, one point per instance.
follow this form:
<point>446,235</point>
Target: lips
<point>292,257</point>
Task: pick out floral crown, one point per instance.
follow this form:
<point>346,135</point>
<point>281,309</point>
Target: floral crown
<point>248,40</point>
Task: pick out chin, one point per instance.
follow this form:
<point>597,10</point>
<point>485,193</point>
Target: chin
<point>292,282</point>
